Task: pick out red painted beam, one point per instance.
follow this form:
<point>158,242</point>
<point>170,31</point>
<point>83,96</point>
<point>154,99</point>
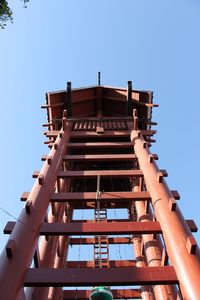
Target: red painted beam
<point>107,276</point>
<point>117,294</point>
<point>90,264</point>
<point>103,173</point>
<point>100,145</point>
<point>113,133</point>
<point>88,134</point>
<point>94,228</point>
<point>90,241</point>
<point>107,196</point>
<point>99,228</point>
<point>100,157</point>
<point>110,118</point>
<point>104,204</point>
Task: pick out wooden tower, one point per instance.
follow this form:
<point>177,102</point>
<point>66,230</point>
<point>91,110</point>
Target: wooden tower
<point>99,158</point>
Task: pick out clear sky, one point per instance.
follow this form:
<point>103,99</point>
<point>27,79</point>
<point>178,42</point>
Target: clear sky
<point>153,43</point>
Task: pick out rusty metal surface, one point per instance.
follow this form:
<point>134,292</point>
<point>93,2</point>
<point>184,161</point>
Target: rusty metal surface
<point>93,277</point>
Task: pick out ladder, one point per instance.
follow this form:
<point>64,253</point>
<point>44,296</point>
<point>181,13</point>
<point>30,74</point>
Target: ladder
<point>101,244</point>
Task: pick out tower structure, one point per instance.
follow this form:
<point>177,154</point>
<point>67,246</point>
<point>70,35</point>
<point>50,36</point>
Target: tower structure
<point>99,139</point>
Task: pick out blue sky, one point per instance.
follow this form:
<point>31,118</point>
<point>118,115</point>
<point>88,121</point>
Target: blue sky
<point>153,43</point>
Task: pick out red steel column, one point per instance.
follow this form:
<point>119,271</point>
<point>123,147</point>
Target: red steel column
<point>146,291</point>
<point>176,233</point>
<point>152,251</point>
<point>23,239</point>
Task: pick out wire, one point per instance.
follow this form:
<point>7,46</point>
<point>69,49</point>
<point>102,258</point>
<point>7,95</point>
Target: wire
<point>22,223</point>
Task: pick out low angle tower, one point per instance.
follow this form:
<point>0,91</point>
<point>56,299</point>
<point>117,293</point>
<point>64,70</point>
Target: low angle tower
<point>99,164</point>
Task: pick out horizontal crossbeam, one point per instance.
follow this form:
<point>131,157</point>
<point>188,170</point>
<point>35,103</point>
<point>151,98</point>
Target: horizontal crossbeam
<point>91,241</point>
<point>117,294</point>
<point>110,133</point>
<point>100,157</point>
<point>90,264</point>
<point>102,173</point>
<point>93,277</point>
<point>106,196</point>
<point>106,228</point>
<point>113,133</point>
<point>100,145</point>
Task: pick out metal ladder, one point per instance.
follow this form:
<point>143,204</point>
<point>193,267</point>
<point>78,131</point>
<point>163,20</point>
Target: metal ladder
<point>101,244</point>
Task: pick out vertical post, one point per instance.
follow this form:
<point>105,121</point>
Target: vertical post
<point>99,78</point>
<point>135,119</point>
<point>152,251</point>
<point>129,98</point>
<point>64,120</point>
<point>99,101</point>
<point>68,99</point>
<point>175,229</point>
<point>146,291</point>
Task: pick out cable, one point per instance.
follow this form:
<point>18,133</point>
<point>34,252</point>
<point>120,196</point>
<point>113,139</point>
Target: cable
<point>22,223</point>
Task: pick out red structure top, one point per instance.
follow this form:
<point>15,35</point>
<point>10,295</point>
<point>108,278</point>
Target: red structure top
<point>99,160</point>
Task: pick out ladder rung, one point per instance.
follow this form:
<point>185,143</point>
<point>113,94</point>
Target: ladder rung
<point>102,252</point>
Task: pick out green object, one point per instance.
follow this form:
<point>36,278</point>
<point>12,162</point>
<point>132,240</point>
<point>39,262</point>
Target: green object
<point>101,293</point>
